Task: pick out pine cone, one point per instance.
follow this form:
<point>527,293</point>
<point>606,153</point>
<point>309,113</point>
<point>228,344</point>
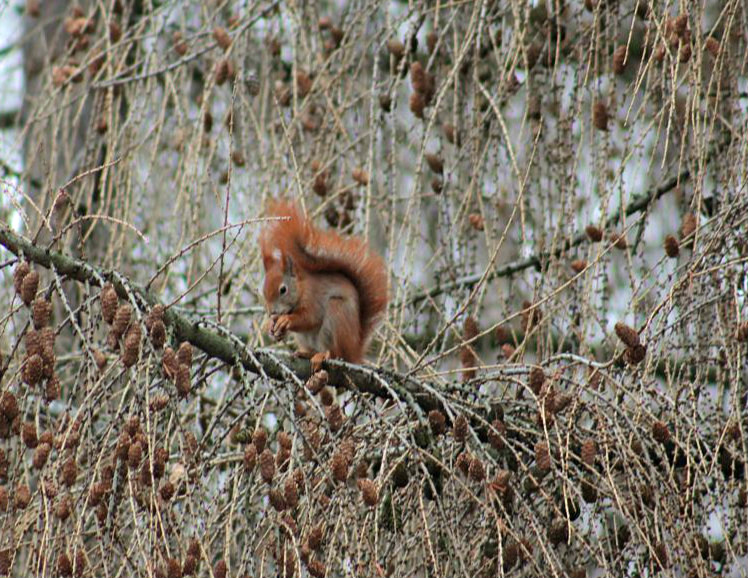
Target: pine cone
<point>41,312</point>
<point>184,354</point>
<point>47,339</point>
<point>672,248</point>
<point>29,287</point>
<point>167,491</point>
<point>468,358</point>
<point>600,122</point>
<point>64,565</point>
<point>69,472</point>
<point>317,381</point>
<point>277,500</point>
<point>460,429</point>
<point>369,492</point>
<point>8,405</point>
<point>435,162</point>
<point>537,379</point>
<point>33,370</point>
<point>183,382</point>
<point>134,455</point>
<point>417,104</point>
<point>122,319</point>
<point>21,270</point>
<point>282,458</point>
<point>688,227</point>
<point>222,38</point>
<point>477,470</point>
<point>267,466</point>
<point>619,60</point>
<point>156,314</point>
<point>437,421</point>
<point>316,569</point>
<point>259,439</point>
<point>463,462</point>
<point>189,566</point>
<point>158,334</point>
<point>339,467</point>
<point>712,46</point>
<point>291,493</point>
<point>627,334</point>
<point>109,303</point>
<point>589,452</point>
<point>159,402</point>
<point>578,265</point>
<point>635,355</point>
<point>589,492</point>
<point>558,532</point>
<point>173,568</point>
<point>41,455</point>
<point>33,343</point>
<point>326,397</point>
<point>64,507</point>
<point>316,536</point>
<point>660,432</point>
<point>594,234</point>
<point>334,417</point>
<point>169,363</point>
<point>542,457</point>
<point>100,360</point>
<point>477,221</point>
<point>28,435</point>
<point>131,350</point>
<point>496,434</point>
<point>284,440</point>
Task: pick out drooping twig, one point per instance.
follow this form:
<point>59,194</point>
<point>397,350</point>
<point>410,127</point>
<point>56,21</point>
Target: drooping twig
<point>638,204</point>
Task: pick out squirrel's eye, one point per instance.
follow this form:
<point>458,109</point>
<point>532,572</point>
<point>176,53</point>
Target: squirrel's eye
<point>282,290</point>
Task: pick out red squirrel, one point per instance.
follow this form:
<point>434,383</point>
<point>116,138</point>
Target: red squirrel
<point>328,290</point>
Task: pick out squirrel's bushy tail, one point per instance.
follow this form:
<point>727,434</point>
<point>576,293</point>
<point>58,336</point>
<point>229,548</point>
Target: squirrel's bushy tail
<point>317,251</point>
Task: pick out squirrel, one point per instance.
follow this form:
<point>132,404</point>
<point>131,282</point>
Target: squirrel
<point>328,290</point>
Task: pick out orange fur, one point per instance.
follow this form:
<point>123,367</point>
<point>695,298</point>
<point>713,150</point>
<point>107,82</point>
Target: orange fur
<point>336,287</point>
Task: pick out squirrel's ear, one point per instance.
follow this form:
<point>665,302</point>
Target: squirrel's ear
<point>289,267</point>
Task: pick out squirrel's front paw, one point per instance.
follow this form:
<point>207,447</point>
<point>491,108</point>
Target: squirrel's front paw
<point>280,327</point>
<point>267,326</point>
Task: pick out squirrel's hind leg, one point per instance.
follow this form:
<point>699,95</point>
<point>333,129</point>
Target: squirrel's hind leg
<point>309,348</point>
<point>318,359</point>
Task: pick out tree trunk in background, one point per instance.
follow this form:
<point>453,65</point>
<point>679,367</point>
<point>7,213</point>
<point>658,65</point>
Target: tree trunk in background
<point>51,145</point>
<point>54,145</point>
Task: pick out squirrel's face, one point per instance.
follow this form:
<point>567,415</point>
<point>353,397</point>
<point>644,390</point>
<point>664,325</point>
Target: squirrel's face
<point>281,288</point>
